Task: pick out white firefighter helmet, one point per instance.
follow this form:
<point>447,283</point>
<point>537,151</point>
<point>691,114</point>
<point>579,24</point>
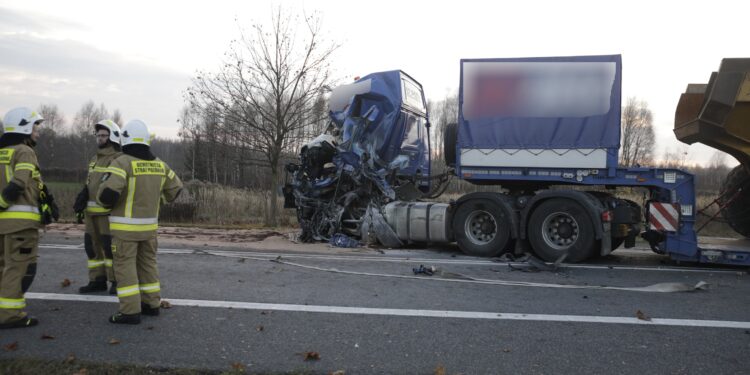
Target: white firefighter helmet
<point>135,132</point>
<point>21,120</point>
<point>114,130</point>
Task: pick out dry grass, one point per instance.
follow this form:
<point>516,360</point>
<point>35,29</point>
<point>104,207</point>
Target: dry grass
<point>200,203</point>
<point>215,204</point>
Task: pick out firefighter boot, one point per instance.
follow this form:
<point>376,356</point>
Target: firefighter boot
<point>113,288</point>
<point>98,285</point>
<point>20,323</point>
<point>148,310</point>
<point>121,318</point>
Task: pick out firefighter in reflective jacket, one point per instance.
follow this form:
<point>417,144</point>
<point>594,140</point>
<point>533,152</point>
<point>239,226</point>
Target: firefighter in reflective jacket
<point>24,206</point>
<point>136,183</point>
<point>97,240</point>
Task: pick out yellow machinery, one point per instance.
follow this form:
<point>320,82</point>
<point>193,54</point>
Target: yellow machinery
<point>717,114</point>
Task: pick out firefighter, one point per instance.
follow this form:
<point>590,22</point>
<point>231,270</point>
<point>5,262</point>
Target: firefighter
<point>97,240</point>
<point>136,183</point>
<point>25,205</point>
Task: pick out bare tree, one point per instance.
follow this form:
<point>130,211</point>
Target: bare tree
<point>676,158</point>
<point>638,139</point>
<point>83,127</point>
<point>266,89</point>
<point>54,120</point>
<point>117,117</point>
<point>442,113</point>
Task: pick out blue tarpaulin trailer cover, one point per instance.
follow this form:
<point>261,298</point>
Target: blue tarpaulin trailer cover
<point>541,103</point>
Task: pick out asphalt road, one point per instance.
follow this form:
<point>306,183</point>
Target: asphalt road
<point>366,312</point>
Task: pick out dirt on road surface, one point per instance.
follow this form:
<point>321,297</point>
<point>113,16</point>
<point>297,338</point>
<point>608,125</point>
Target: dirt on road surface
<point>274,239</point>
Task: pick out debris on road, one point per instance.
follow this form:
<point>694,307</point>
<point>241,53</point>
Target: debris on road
<point>47,337</point>
<point>114,341</point>
<point>642,316</point>
<point>65,283</point>
<point>311,356</point>
<point>342,240</point>
<point>429,271</point>
<point>11,347</point>
<point>164,304</point>
<point>534,264</point>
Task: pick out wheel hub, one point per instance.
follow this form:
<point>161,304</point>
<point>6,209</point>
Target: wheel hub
<point>560,230</point>
<point>480,227</point>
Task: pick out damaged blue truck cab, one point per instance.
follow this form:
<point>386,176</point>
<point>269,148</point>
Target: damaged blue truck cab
<point>384,115</point>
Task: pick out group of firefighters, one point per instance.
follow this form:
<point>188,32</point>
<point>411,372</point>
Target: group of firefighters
<point>120,203</point>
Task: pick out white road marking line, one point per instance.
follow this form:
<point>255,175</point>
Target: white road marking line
<point>412,312</point>
<point>406,260</point>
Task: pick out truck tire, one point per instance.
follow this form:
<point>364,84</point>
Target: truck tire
<point>736,212</point>
<point>450,137</point>
<point>558,226</point>
<point>481,228</point>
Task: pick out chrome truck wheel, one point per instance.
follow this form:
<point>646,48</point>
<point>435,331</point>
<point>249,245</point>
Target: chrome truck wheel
<point>481,228</point>
<point>561,226</point>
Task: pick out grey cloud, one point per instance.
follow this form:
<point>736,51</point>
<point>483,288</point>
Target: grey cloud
<point>15,21</point>
<point>68,73</point>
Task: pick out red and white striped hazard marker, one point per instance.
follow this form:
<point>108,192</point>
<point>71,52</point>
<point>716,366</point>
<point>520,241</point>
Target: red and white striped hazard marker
<point>664,216</point>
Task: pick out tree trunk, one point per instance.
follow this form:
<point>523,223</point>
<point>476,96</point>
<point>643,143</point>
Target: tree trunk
<point>273,217</point>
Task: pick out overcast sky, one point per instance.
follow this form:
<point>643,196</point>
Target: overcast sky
<point>139,56</point>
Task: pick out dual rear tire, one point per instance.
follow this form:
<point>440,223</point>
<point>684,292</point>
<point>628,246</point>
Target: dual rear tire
<point>557,227</point>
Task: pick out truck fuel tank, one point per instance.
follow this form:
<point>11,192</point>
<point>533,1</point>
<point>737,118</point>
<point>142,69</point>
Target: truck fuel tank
<point>419,221</point>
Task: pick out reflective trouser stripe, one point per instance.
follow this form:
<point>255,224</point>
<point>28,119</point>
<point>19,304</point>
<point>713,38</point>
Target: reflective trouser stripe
<point>12,303</point>
<point>128,291</point>
<point>150,288</point>
<point>108,263</point>
<point>95,263</point>
<point>3,203</point>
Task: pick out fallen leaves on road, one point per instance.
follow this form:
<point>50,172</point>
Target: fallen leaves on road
<point>165,304</point>
<point>114,341</point>
<point>12,347</point>
<point>440,370</point>
<point>311,356</point>
<point>150,328</point>
<point>339,372</point>
<point>82,371</point>
<point>238,366</point>
<point>47,337</point>
<point>506,350</point>
<point>55,309</point>
<point>642,316</point>
<point>241,260</point>
<point>259,328</point>
<point>65,283</point>
<point>70,358</point>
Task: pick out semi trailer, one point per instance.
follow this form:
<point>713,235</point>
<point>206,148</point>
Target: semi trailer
<point>546,131</point>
